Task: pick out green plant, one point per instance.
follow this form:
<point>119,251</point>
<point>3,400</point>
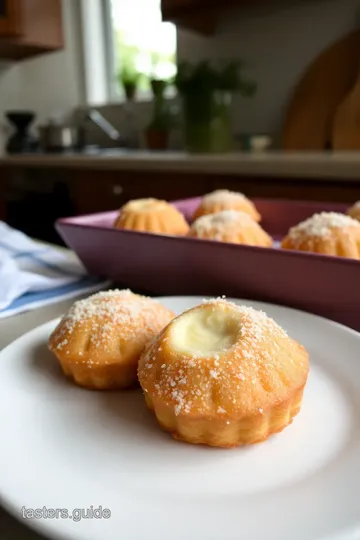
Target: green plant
<point>128,76</point>
<point>162,119</point>
<point>132,55</point>
<point>158,87</point>
<point>206,92</point>
<point>204,78</point>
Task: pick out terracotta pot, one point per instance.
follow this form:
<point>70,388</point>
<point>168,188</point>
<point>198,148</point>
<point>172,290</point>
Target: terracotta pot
<point>157,139</point>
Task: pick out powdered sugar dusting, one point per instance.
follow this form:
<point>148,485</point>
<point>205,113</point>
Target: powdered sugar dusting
<point>222,196</point>
<point>321,225</point>
<point>254,321</point>
<point>222,222</point>
<point>116,312</point>
<point>116,306</point>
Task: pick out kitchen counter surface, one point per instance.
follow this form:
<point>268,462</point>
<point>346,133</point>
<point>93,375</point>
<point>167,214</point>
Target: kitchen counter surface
<point>327,166</point>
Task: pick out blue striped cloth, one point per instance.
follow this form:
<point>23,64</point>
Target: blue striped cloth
<point>34,275</point>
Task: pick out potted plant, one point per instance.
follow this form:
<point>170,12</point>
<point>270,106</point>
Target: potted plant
<point>206,93</point>
<point>129,78</point>
<point>158,130</point>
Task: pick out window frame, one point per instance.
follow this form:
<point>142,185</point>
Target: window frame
<point>113,94</point>
<point>99,56</point>
<point>94,52</point>
<point>111,64</point>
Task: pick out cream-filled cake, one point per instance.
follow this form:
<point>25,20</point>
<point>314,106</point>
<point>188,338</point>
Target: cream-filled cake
<point>204,332</point>
<point>223,375</point>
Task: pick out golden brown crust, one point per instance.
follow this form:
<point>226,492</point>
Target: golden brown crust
<point>241,396</point>
<point>230,226</point>
<point>152,215</point>
<point>223,199</point>
<point>99,341</point>
<point>224,432</point>
<point>326,233</point>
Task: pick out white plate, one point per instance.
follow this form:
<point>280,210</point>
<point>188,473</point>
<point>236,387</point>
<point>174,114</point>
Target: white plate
<point>66,448</point>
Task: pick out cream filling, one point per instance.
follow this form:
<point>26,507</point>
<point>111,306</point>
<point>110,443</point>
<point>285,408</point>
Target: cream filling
<point>205,332</point>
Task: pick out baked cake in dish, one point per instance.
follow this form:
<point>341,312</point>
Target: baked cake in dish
<point>99,341</point>
<point>152,215</point>
<point>328,233</point>
<point>230,226</point>
<point>223,375</point>
<point>354,211</point>
<point>224,199</point>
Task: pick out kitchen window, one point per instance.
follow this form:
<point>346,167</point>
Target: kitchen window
<point>139,45</point>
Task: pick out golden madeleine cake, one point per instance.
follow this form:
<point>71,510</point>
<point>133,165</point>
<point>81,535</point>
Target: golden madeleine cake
<point>223,375</point>
<point>354,211</point>
<point>223,199</point>
<point>99,341</point>
<point>327,233</point>
<point>230,226</point>
<point>152,215</point>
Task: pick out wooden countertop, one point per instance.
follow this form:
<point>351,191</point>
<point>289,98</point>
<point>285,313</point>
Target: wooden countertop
<point>326,166</point>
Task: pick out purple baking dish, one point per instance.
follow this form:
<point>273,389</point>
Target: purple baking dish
<point>164,265</point>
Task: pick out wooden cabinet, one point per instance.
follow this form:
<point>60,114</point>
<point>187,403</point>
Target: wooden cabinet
<point>100,191</point>
<point>296,189</point>
<point>190,14</point>
<point>199,15</point>
<point>31,200</point>
<point>61,192</point>
<point>173,4</point>
<point>9,18</point>
<point>30,27</point>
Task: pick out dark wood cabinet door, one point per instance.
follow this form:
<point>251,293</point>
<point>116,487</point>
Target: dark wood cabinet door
<point>10,17</point>
<point>30,27</point>
<point>169,4</point>
<point>100,191</point>
<point>190,14</point>
<point>199,15</point>
<point>3,8</point>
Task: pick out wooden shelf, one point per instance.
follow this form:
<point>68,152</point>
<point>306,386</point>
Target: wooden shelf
<point>30,27</point>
